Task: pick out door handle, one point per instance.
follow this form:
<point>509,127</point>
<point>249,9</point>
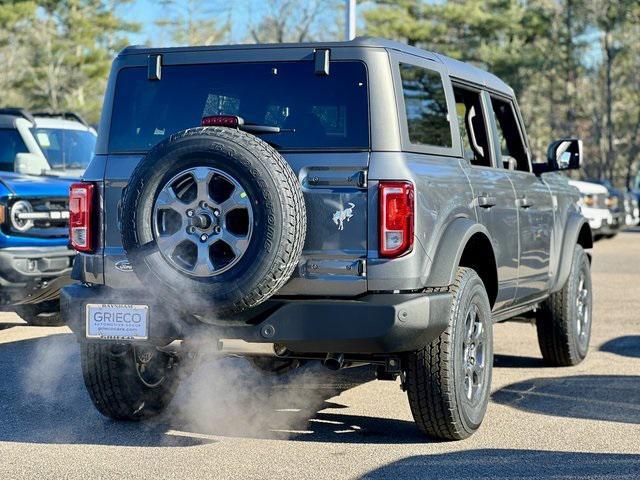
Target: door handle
<point>486,201</point>
<point>522,202</point>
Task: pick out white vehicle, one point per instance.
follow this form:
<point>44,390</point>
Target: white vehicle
<point>631,209</point>
<point>54,144</point>
<point>593,204</point>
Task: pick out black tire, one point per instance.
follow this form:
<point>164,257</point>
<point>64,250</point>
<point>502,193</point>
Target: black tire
<point>279,219</point>
<point>119,388</point>
<point>45,314</point>
<point>435,374</point>
<point>562,341</point>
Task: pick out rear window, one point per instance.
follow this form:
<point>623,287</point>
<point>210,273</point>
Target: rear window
<point>323,112</point>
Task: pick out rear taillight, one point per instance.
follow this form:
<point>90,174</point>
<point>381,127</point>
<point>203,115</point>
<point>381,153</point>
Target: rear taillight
<point>80,212</point>
<point>396,218</point>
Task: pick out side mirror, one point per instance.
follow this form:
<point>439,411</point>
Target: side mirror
<point>565,154</point>
<point>30,164</point>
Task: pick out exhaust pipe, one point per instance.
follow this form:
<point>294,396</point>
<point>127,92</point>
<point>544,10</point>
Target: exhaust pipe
<point>334,361</point>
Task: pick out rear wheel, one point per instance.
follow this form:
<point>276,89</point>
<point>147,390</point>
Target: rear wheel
<point>449,381</point>
<point>128,382</point>
<point>564,319</point>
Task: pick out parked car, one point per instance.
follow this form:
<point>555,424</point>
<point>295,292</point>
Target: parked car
<point>593,202</point>
<point>351,202</point>
<point>40,154</point>
<point>632,212</point>
<point>615,203</point>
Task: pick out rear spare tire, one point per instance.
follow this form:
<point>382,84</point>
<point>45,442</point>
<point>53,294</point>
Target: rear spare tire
<point>214,219</point>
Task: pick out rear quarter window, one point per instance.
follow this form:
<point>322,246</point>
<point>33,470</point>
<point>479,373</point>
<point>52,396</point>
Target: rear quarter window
<point>425,106</point>
<point>318,112</point>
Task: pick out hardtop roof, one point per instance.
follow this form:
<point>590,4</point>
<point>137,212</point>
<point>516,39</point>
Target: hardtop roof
<point>9,121</point>
<point>455,68</point>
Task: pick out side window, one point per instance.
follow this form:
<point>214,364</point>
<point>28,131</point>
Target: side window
<point>473,130</point>
<point>514,154</point>
<point>11,144</point>
<point>426,106</point>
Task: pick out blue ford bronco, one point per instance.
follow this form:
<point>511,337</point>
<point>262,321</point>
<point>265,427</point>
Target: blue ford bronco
<point>40,154</point>
<point>352,202</point>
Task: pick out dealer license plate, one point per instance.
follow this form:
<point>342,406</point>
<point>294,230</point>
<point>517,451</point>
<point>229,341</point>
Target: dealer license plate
<point>117,321</point>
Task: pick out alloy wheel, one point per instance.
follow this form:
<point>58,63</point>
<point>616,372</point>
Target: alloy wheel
<point>202,221</point>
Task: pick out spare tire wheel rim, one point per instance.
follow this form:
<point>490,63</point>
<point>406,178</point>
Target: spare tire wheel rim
<point>202,221</point>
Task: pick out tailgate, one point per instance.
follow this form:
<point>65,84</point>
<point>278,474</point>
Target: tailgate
<point>334,257</point>
<point>333,261</point>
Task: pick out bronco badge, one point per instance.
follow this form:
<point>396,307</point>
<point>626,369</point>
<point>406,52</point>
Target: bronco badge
<point>343,214</point>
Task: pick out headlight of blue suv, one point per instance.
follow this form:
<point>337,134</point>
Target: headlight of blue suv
<point>17,212</point>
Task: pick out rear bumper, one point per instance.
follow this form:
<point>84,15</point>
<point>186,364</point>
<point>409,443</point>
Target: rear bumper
<point>376,323</point>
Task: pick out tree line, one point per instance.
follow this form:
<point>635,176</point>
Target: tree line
<point>574,64</point>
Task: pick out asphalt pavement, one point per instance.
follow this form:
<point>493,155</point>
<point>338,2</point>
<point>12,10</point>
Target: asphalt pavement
<point>227,421</point>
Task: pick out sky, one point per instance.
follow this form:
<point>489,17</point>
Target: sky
<point>145,12</point>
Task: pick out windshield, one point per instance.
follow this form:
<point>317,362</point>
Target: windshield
<point>66,149</point>
<point>317,111</point>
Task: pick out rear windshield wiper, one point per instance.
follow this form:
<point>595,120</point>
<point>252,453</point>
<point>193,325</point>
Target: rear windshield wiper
<point>235,121</point>
<point>258,129</point>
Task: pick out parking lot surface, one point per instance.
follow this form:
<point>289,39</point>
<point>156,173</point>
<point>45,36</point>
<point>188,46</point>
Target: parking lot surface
<point>229,422</point>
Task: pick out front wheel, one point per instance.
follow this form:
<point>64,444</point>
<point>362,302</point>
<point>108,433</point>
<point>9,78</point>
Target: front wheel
<point>564,319</point>
<point>449,381</point>
<point>128,382</point>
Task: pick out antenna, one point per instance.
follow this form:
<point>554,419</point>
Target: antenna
<point>350,20</point>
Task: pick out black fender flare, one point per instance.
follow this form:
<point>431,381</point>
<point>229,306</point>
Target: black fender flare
<point>450,248</point>
<point>576,231</point>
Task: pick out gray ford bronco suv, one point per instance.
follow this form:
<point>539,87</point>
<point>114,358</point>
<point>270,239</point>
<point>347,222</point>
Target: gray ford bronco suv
<point>354,202</point>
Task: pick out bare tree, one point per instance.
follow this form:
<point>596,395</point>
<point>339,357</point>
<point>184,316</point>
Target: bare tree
<point>195,22</point>
<point>288,21</point>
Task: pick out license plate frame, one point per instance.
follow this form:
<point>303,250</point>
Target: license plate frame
<point>124,322</point>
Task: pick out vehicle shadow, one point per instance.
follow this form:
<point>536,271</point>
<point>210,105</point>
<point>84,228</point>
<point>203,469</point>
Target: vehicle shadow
<point>514,361</point>
<point>510,463</point>
<point>43,400</point>
<point>11,324</point>
<point>245,403</point>
<point>627,346</point>
<point>613,398</point>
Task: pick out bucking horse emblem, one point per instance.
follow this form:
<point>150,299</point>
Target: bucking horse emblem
<point>343,214</point>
